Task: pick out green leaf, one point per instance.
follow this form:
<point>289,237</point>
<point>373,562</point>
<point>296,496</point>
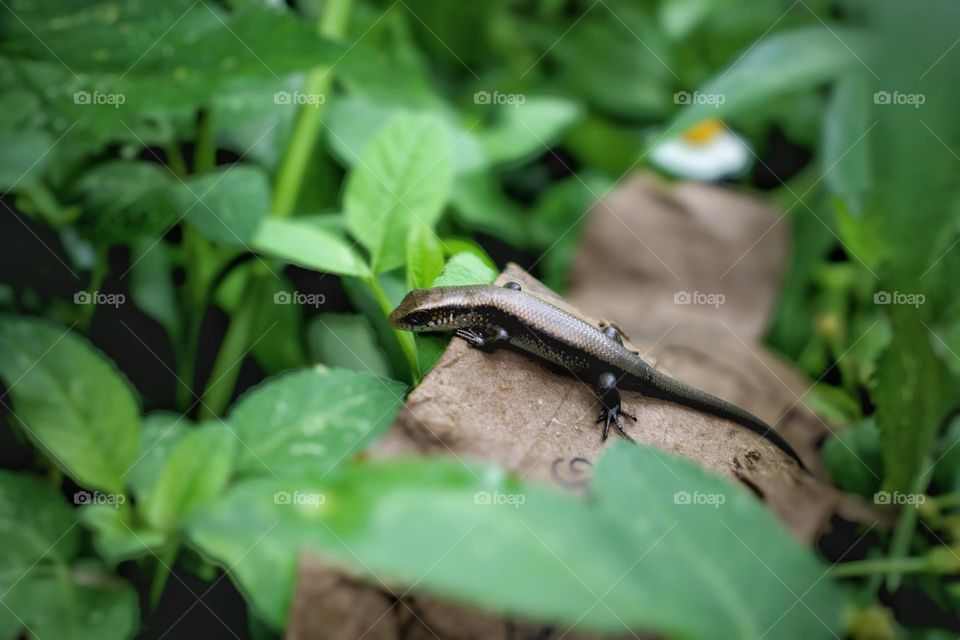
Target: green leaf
<point>159,435</point>
<point>636,85</point>
<point>527,129</point>
<point>308,246</point>
<point>846,145</point>
<point>115,537</point>
<point>465,268</point>
<point>311,420</point>
<point>947,457</point>
<point>151,283</point>
<point>82,603</point>
<point>24,154</point>
<point>664,538</point>
<point>195,472</point>
<point>480,204</point>
<point>853,458</point>
<point>41,594</point>
<point>70,401</point>
<point>37,523</point>
<point>94,70</point>
<point>125,200</point>
<point>783,62</point>
<point>403,177</point>
<point>226,206</point>
<point>424,256</point>
<point>914,390</point>
<point>346,341</point>
<point>727,549</point>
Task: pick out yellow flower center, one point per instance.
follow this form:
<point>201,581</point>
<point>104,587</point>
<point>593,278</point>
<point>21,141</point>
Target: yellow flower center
<point>704,132</point>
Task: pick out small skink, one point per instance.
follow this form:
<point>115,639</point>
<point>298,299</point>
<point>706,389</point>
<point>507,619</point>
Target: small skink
<point>489,317</point>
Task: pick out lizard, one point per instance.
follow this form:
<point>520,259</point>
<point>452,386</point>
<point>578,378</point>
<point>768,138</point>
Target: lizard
<point>489,317</point>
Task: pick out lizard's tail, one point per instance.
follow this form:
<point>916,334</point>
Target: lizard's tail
<point>672,390</point>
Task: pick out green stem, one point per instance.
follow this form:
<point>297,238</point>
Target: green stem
<point>307,128</point>
<point>406,340</point>
<point>236,343</point>
<point>175,161</point>
<point>196,250</point>
<point>93,286</point>
<point>165,561</point>
<point>879,567</point>
<point>42,201</point>
<point>205,155</point>
<point>905,527</point>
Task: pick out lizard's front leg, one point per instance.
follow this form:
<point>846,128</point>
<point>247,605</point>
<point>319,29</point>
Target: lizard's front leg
<point>486,339</point>
<point>610,408</point>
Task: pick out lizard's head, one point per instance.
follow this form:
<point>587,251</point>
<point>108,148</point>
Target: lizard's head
<point>437,309</point>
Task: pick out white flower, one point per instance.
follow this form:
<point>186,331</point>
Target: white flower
<point>707,152</point>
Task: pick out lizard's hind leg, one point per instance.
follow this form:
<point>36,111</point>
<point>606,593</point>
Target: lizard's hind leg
<point>610,406</point>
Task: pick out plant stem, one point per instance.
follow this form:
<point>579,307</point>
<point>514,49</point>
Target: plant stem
<point>407,343</point>
<point>175,161</point>
<point>235,345</point>
<point>287,190</point>
<point>96,280</point>
<point>880,566</point>
<point>310,118</point>
<point>905,527</point>
<point>165,561</point>
<point>205,154</point>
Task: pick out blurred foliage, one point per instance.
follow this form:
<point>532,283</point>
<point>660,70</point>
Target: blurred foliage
<point>220,151</point>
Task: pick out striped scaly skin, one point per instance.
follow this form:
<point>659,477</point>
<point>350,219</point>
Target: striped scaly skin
<point>489,317</point>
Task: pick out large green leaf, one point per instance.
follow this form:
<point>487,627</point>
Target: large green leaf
<point>424,256</point>
<point>781,63</point>
<point>36,523</point>
<point>100,66</point>
<point>125,200</point>
<point>403,177</point>
<point>527,129</point>
<point>41,593</point>
<point>465,268</point>
<point>308,246</point>
<point>914,391</point>
<point>82,603</point>
<point>636,85</point>
<point>24,155</point>
<point>659,538</point>
<point>347,341</point>
<point>846,144</point>
<point>194,473</point>
<point>311,420</point>
<point>71,401</point>
<point>226,206</point>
